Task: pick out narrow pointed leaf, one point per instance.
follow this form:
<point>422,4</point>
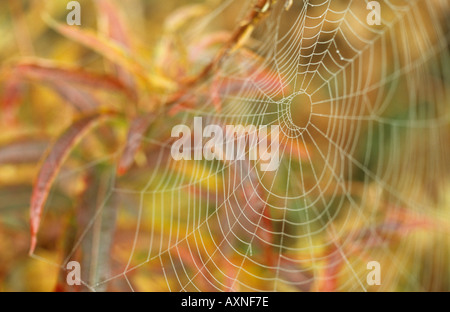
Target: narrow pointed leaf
<point>10,98</point>
<point>137,129</point>
<point>52,165</point>
<point>113,27</point>
<point>102,45</point>
<point>83,101</point>
<point>49,72</point>
<point>22,152</point>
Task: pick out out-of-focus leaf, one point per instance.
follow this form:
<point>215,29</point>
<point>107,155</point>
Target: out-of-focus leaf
<point>109,49</point>
<point>195,263</point>
<point>22,152</point>
<point>187,101</point>
<point>196,52</point>
<point>45,71</point>
<point>247,205</point>
<point>292,272</point>
<point>10,99</point>
<point>21,29</point>
<point>112,51</point>
<point>52,165</point>
<point>181,16</point>
<point>254,77</point>
<point>64,81</point>
<point>83,101</point>
<point>113,26</point>
<point>262,75</point>
<point>137,129</point>
<point>331,270</point>
<point>97,240</point>
<point>112,22</point>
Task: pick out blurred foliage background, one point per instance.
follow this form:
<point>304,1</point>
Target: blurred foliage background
<point>129,70</point>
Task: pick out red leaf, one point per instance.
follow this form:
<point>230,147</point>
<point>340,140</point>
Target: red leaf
<point>185,102</point>
<point>198,50</point>
<point>83,101</point>
<point>52,165</point>
<point>292,272</point>
<point>113,22</point>
<point>114,27</point>
<point>22,152</point>
<point>40,70</point>
<point>135,133</point>
<point>107,48</point>
<point>334,262</point>
<point>65,81</point>
<point>253,77</point>
<point>10,99</point>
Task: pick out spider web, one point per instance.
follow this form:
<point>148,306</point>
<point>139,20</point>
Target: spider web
<point>364,121</point>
